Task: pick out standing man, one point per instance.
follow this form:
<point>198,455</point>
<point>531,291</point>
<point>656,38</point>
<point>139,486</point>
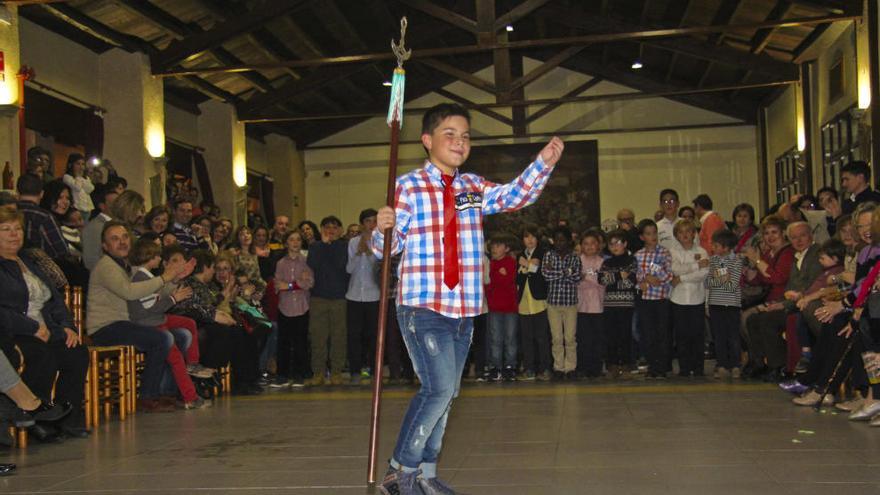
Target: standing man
<point>626,221</point>
<point>710,222</point>
<point>40,228</point>
<point>855,179</point>
<point>438,228</point>
<point>276,237</point>
<point>362,300</point>
<point>669,206</point>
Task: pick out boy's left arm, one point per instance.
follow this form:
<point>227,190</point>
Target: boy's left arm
<point>525,189</point>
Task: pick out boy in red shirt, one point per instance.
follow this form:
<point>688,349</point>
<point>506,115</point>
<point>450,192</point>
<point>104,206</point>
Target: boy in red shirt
<point>503,309</point>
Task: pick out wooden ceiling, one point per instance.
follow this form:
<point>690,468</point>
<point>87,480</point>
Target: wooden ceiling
<point>296,47</point>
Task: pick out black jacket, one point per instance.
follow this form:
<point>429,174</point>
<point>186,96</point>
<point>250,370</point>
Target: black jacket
<point>14,303</point>
<point>537,284</point>
<point>328,262</point>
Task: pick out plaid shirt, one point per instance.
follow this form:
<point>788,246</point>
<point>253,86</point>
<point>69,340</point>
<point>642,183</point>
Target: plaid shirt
<point>562,275</point>
<point>42,231</point>
<point>418,233</point>
<point>656,262</point>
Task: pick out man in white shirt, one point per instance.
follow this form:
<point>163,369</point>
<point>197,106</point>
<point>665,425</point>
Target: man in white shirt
<point>669,206</point>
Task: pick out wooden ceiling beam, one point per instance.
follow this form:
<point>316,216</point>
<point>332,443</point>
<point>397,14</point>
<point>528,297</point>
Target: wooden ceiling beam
<point>762,36</point>
<point>724,15</point>
<point>261,13</point>
<point>517,13</point>
<point>99,29</point>
<point>553,106</point>
<point>808,41</point>
<point>546,67</point>
<point>464,76</point>
<point>445,15</point>
<point>468,103</point>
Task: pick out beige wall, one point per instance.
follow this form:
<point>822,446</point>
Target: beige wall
<point>60,63</point>
<point>633,167</point>
<point>181,125</point>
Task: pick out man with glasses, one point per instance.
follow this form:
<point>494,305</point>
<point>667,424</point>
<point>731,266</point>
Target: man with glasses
<point>39,163</point>
<point>626,221</point>
<point>669,206</point>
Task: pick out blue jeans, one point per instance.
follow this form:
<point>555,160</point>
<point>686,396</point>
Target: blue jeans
<point>153,343</point>
<point>502,340</point>
<point>438,347</point>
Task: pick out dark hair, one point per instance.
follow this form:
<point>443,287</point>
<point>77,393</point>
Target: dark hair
<point>51,192</point>
<point>834,248</point>
<point>34,152</point>
<point>561,229</point>
<point>703,201</point>
<point>668,191</point>
<point>369,212</point>
<point>828,189</point>
<point>204,259</point>
<point>807,197</point>
<point>531,229</point>
<point>169,251</point>
<point>29,185</point>
<point>685,208</point>
<point>594,233</point>
<point>236,238</point>
<point>111,224</point>
<point>725,238</point>
<point>441,112</point>
<point>290,233</point>
<point>115,181</point>
<point>99,195</point>
<point>645,223</point>
<point>746,208</point>
<point>502,239</point>
<point>71,159</point>
<point>179,201</point>
<point>773,221</point>
<point>857,167</point>
<point>199,219</point>
<point>143,251</point>
<point>618,234</point>
<point>327,221</point>
<point>149,235</point>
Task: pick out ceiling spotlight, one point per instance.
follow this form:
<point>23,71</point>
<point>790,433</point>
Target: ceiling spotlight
<point>637,64</point>
<point>386,83</point>
<point>509,28</point>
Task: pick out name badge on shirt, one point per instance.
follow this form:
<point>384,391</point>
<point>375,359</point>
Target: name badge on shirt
<point>468,200</point>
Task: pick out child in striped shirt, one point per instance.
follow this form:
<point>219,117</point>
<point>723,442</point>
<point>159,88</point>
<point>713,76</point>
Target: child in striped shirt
<point>725,299</point>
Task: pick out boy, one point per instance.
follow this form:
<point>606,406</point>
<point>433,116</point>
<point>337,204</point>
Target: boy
<point>654,275</point>
<point>438,226</point>
<point>725,299</point>
<point>501,298</point>
<point>690,266</point>
<point>534,328</point>
<point>562,270</point>
<point>618,275</point>
<point>591,294</point>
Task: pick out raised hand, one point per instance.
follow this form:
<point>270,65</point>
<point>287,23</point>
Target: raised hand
<point>553,151</point>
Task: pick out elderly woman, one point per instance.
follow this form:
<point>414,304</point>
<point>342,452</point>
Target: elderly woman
<point>743,225</point>
<point>33,317</point>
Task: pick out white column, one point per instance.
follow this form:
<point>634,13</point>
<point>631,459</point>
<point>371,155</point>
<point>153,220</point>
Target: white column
<point>134,123</point>
<point>222,136</point>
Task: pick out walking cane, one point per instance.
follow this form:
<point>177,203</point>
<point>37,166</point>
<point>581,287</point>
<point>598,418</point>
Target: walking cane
<point>395,119</point>
<point>833,376</point>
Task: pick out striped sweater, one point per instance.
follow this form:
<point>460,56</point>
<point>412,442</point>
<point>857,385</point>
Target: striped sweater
<point>620,292</point>
<point>724,280</point>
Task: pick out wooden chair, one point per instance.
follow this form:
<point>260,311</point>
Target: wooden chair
<point>19,435</point>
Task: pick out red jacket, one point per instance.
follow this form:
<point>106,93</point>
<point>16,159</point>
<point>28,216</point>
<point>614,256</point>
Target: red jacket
<point>501,289</point>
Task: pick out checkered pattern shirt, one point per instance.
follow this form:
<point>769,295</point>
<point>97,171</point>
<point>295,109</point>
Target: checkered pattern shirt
<point>42,231</point>
<point>418,233</point>
<point>563,274</point>
<point>656,262</point>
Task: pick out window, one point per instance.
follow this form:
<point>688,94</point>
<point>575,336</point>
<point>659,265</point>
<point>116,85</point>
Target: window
<point>836,80</point>
<point>840,145</point>
<point>791,177</point>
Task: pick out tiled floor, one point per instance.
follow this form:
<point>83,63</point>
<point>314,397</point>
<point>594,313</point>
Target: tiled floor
<point>513,439</point>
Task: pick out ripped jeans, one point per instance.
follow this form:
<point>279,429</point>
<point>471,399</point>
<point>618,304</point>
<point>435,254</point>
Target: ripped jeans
<point>438,347</point>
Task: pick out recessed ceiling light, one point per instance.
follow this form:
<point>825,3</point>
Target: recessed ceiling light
<point>637,64</point>
<point>386,83</point>
<point>509,28</point>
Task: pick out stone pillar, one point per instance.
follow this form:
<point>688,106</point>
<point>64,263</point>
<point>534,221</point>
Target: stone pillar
<point>287,169</point>
<point>222,136</point>
<point>134,125</point>
<point>9,97</point>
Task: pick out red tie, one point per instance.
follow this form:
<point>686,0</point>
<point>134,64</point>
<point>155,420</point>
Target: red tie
<point>450,235</point>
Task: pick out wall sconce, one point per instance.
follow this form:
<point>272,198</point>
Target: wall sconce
<point>799,115</point>
<point>155,141</point>
<point>239,170</point>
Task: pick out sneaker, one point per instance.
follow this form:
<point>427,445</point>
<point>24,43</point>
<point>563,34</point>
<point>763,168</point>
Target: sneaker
<point>199,371</point>
<point>850,405</point>
<point>558,376</point>
<point>495,375</point>
<point>509,374</point>
<point>795,387</point>
<point>736,373</point>
<point>337,379</point>
<point>199,403</point>
<point>545,376</point>
<point>483,377</point>
<point>433,486</point>
<point>264,379</point>
<point>811,398</point>
<point>721,374</point>
<point>399,483</point>
<point>365,374</point>
<point>315,381</point>
<point>528,376</point>
<point>280,382</point>
<point>297,383</point>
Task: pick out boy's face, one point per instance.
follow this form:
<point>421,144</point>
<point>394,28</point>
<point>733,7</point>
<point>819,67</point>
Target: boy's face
<point>590,246</point>
<point>175,261</point>
<point>827,261</point>
<point>719,249</point>
<point>685,236</point>
<point>450,143</point>
<point>498,250</point>
<point>649,236</point>
<point>617,246</point>
<point>669,205</point>
<point>530,241</point>
<point>561,242</point>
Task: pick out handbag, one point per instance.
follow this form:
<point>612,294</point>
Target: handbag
<point>46,265</point>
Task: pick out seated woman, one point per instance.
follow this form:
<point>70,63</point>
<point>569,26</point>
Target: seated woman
<point>33,317</point>
<point>57,200</point>
<point>221,339</point>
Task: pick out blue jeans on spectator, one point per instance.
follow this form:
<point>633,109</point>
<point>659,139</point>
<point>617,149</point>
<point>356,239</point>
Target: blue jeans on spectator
<point>502,340</point>
<point>438,347</point>
<point>153,343</point>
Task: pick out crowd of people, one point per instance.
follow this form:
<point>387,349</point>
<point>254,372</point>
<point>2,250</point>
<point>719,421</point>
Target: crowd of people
<point>789,299</point>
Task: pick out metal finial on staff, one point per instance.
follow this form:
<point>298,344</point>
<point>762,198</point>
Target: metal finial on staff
<point>395,120</point>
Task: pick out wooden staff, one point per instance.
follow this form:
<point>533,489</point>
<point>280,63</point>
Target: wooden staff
<point>395,116</point>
